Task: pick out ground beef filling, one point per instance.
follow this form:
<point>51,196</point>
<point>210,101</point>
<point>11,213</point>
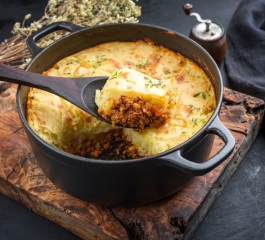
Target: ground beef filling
<point>110,145</point>
<point>136,113</point>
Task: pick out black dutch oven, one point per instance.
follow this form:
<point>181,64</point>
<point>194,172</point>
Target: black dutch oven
<point>133,181</point>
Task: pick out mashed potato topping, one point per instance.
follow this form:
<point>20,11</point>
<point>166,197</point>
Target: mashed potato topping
<point>191,100</point>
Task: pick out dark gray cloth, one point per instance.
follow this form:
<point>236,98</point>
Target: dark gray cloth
<point>245,56</point>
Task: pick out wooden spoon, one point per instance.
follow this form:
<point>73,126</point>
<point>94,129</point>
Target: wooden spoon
<point>78,91</point>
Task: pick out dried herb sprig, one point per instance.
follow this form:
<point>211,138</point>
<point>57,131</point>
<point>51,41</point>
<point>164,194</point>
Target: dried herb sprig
<point>81,12</point>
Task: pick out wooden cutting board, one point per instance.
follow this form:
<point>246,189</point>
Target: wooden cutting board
<point>176,217</point>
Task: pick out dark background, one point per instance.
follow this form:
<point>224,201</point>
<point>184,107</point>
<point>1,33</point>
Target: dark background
<point>238,213</point>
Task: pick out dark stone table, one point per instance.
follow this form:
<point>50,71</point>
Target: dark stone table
<point>238,213</point>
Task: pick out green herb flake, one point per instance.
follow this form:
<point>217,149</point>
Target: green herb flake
<point>142,64</point>
<point>67,73</point>
<point>194,120</point>
<point>115,75</point>
<point>152,83</point>
<point>200,93</point>
<point>166,71</point>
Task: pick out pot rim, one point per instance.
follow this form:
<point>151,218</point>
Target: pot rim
<point>181,146</point>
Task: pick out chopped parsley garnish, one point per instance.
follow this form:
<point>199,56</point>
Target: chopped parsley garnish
<point>142,64</point>
<point>153,83</point>
<point>67,73</point>
<point>200,93</point>
<point>166,71</point>
<point>194,120</point>
<point>97,62</point>
<point>115,75</point>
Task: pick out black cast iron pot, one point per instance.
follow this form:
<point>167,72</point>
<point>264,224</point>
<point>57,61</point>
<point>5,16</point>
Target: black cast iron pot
<point>125,182</point>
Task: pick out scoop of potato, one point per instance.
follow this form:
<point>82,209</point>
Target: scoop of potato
<point>132,99</point>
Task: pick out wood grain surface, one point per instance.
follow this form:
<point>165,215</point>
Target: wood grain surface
<point>176,217</point>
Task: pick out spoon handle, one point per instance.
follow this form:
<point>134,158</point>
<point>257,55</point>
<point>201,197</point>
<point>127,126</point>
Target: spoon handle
<point>67,88</point>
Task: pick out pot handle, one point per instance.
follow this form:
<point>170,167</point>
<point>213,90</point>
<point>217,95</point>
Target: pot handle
<point>175,159</point>
<point>35,36</point>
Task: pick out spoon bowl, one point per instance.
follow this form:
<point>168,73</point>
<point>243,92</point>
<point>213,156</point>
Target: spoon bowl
<point>78,91</point>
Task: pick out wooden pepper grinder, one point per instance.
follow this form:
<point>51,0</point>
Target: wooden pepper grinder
<point>209,35</point>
